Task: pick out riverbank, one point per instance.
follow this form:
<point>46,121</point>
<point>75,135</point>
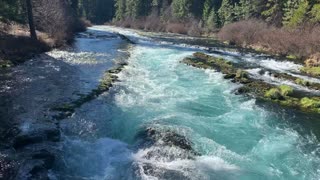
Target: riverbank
<point>16,46</point>
<point>30,129</point>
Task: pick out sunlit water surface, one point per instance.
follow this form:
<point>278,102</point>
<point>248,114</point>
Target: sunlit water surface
<point>232,137</point>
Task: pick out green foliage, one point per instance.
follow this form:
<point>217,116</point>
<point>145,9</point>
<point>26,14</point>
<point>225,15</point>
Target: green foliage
<point>295,12</point>
<point>207,9</point>
<point>12,10</point>
<point>315,13</point>
<point>245,9</point>
<point>273,11</point>
<point>225,12</point>
<point>181,8</point>
<point>120,9</point>
<point>212,20</point>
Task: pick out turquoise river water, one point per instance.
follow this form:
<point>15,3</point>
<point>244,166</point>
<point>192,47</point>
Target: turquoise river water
<point>166,120</point>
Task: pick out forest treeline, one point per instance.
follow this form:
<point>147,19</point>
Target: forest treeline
<point>287,28</point>
<point>217,13</point>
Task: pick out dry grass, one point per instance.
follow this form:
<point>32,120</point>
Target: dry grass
<point>16,46</point>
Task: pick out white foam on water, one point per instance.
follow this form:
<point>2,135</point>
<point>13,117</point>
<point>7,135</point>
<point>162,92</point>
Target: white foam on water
<point>282,66</point>
<point>77,57</point>
<point>190,168</point>
<point>255,73</point>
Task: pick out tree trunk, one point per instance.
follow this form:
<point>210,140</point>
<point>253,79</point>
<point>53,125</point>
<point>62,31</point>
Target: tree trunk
<point>33,33</point>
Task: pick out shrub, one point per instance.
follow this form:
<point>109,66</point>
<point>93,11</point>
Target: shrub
<point>176,28</point>
<point>301,42</point>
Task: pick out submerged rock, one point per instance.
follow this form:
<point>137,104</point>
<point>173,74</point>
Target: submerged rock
<point>153,137</point>
<point>125,38</point>
<point>66,110</point>
<point>163,146</point>
<point>168,138</point>
<point>36,136</point>
<point>47,157</point>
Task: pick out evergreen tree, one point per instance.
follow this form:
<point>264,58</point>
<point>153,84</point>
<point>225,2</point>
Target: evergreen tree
<point>212,21</point>
<point>272,12</point>
<point>294,12</point>
<point>245,9</point>
<point>207,7</point>
<point>225,12</point>
<point>13,10</point>
<point>120,6</point>
<point>181,8</point>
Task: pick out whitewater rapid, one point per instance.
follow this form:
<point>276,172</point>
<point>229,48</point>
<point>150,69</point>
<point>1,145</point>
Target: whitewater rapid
<point>166,120</point>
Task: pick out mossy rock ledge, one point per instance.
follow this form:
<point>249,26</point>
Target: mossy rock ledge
<point>283,95</point>
<point>66,110</point>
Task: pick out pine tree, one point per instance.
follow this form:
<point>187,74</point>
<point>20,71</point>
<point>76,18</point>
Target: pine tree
<point>207,7</point>
<point>181,8</point>
<point>226,14</point>
<point>120,6</point>
<point>294,12</point>
<point>272,12</point>
<point>245,9</point>
<point>212,21</point>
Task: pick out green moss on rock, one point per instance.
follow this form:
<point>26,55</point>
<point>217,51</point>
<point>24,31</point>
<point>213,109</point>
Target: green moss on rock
<point>286,90</point>
<point>313,71</point>
<point>5,64</point>
<point>274,94</point>
<point>310,102</point>
<point>105,84</point>
<point>302,82</point>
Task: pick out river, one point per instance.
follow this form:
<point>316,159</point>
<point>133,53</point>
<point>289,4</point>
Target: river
<point>166,120</point>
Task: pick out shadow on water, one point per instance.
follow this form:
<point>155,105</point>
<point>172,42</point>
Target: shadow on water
<point>30,90</point>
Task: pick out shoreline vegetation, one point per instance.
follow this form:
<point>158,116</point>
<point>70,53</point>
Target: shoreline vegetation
<point>28,28</point>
